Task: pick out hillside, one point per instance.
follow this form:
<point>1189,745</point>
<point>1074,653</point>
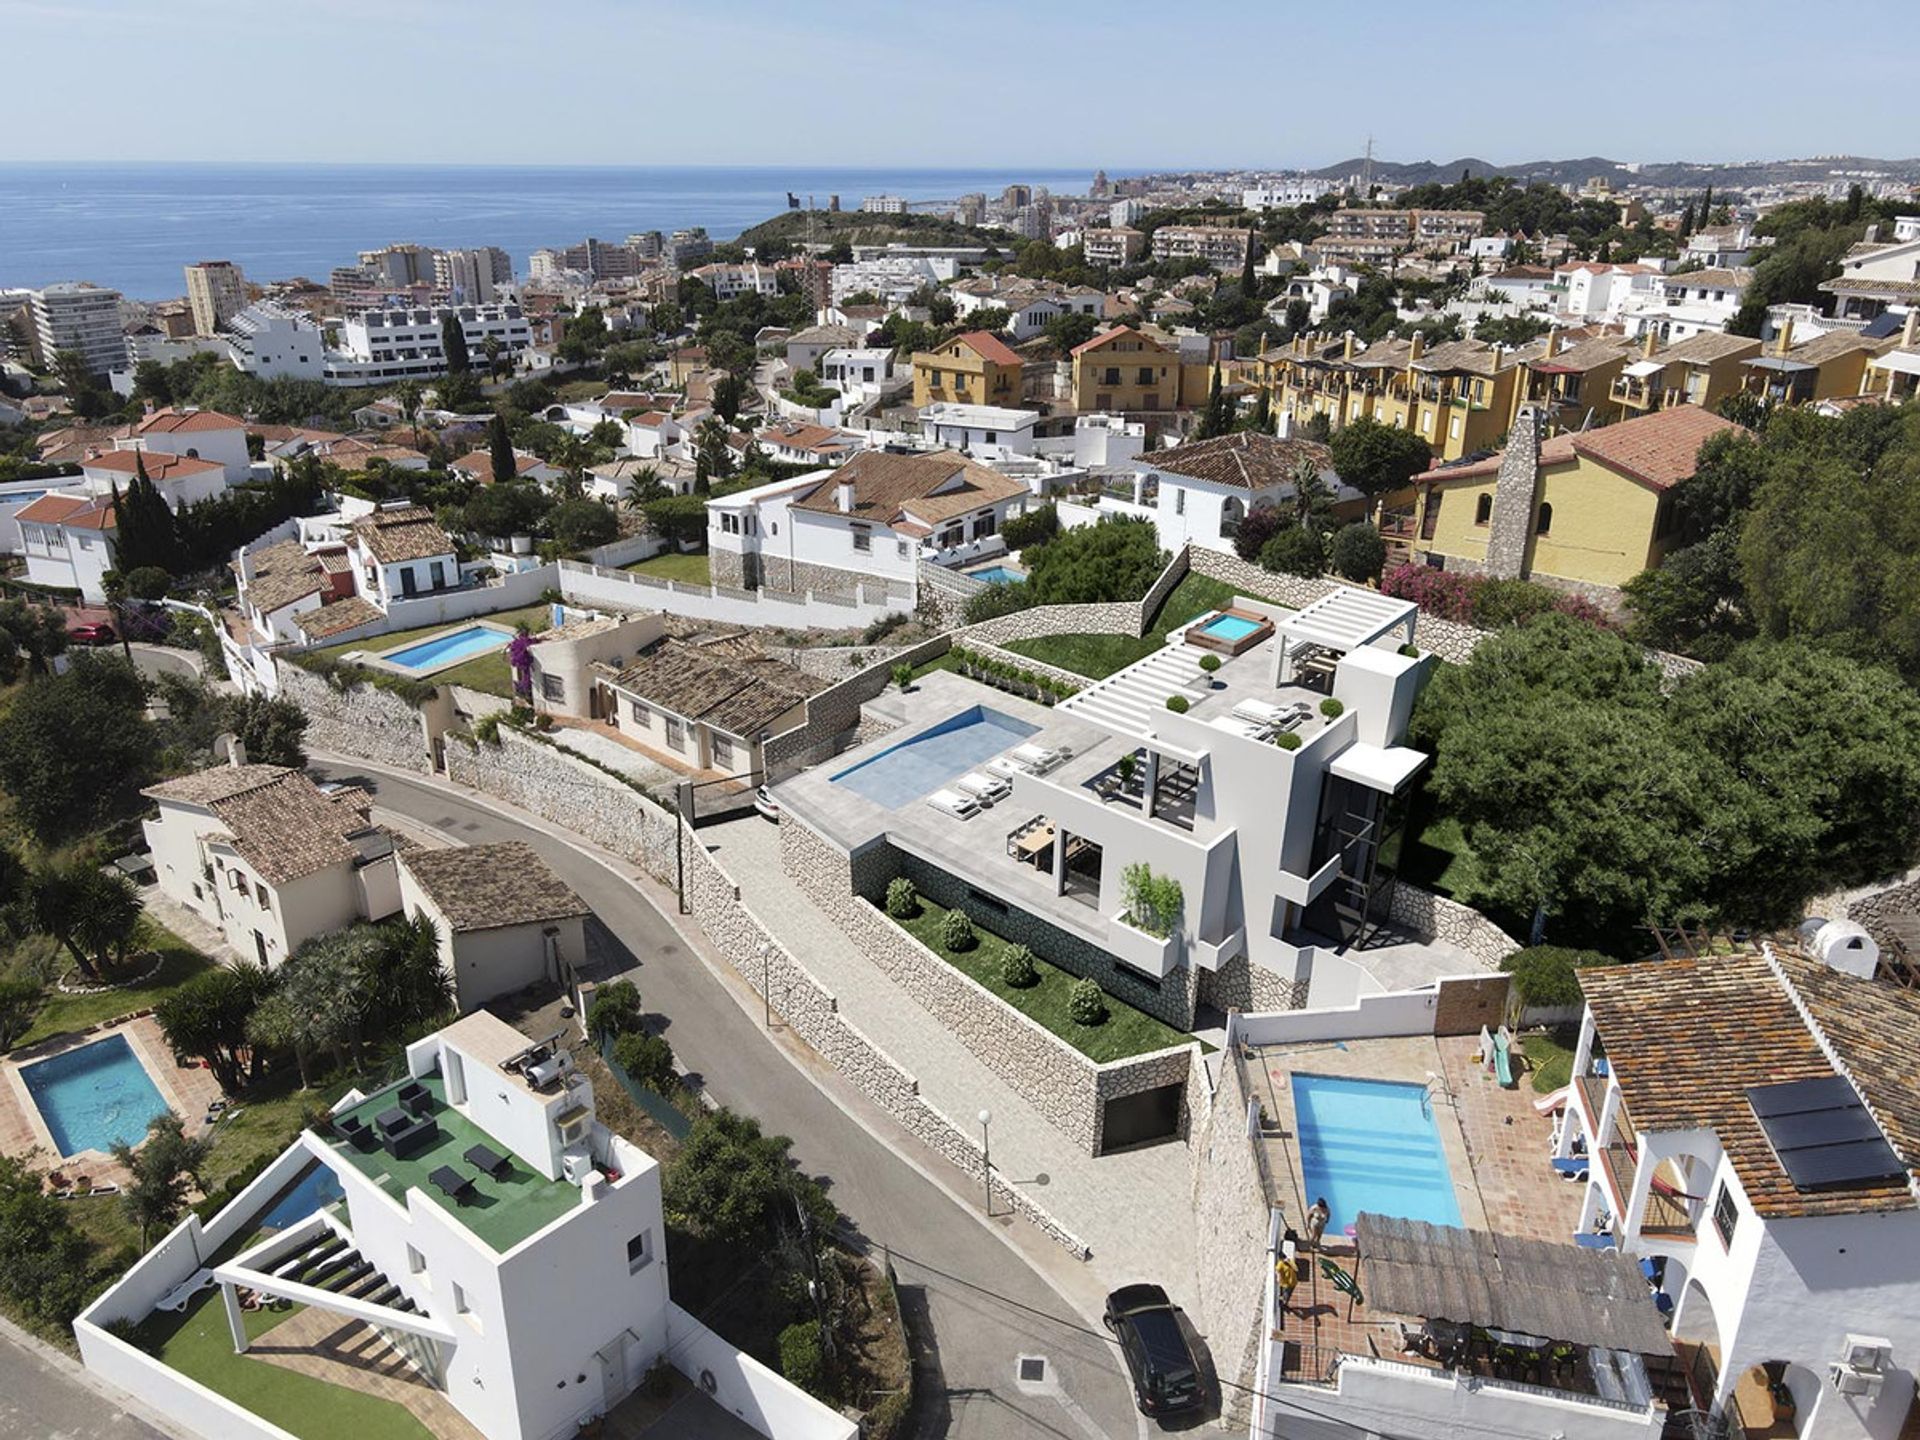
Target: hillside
<point>1666,172</point>
<point>827,227</point>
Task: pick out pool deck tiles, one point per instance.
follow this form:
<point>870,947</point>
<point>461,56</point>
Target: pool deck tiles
<point>188,1092</point>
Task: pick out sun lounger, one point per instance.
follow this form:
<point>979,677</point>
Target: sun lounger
<point>1238,725</point>
<point>1503,1057</point>
<point>961,807</point>
<point>1038,758</point>
<point>1574,1165</point>
<point>984,788</point>
<point>1007,766</point>
<point>450,1182</point>
<point>1261,712</point>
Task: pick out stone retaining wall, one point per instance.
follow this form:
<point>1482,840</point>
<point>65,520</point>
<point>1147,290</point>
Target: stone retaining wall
<point>1434,917</point>
<point>363,720</point>
<point>1230,1218</point>
<point>1064,1085</point>
<point>1239,984</point>
<point>833,714</point>
<point>1873,911</point>
<point>570,793</point>
<point>810,1008</point>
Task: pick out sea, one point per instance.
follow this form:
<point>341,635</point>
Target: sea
<point>133,227</point>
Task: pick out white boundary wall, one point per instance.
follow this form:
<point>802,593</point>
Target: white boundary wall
<point>746,1388</point>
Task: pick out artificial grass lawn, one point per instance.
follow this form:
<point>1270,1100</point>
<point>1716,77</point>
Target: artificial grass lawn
<point>61,1013</point>
<point>1433,852</point>
<point>195,1342</point>
<point>488,673</point>
<point>1098,656</point>
<point>693,569</point>
<point>1125,1031</point>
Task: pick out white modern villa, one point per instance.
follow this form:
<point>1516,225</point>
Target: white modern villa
<point>469,1242</point>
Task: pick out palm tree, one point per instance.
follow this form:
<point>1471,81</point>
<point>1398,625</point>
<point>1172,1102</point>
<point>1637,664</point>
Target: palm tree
<point>491,348</point>
<point>573,455</point>
<point>645,488</point>
<point>407,396</point>
<point>93,914</point>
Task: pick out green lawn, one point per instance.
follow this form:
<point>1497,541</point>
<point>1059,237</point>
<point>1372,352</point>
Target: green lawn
<point>62,1013</point>
<point>1126,1031</point>
<point>489,673</point>
<point>1549,1058</point>
<point>690,569</point>
<point>1432,851</point>
<point>196,1342</point>
<point>1098,656</point>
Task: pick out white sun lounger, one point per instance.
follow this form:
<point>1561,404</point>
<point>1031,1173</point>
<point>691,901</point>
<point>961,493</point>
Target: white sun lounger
<point>1008,767</point>
<point>1260,712</point>
<point>1237,725</point>
<point>984,788</point>
<point>961,807</point>
<point>1038,758</point>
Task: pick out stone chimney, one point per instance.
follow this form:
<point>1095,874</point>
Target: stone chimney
<point>1786,336</point>
<point>843,496</point>
<point>1514,493</point>
<point>1910,332</point>
<point>1347,349</point>
<point>1553,345</point>
<point>1417,346</point>
<point>1649,344</point>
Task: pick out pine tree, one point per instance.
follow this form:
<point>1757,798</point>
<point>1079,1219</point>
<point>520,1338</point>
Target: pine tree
<point>500,448</point>
<point>1706,206</point>
<point>453,340</point>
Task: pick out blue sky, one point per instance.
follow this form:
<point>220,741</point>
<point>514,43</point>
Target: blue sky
<point>966,83</point>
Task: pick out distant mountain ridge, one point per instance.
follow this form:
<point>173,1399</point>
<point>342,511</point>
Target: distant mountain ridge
<point>1666,172</point>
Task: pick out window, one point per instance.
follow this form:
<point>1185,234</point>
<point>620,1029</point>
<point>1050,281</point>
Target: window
<point>639,1252</point>
<point>983,524</point>
<point>416,1262</point>
<point>1112,376</point>
<point>642,716</point>
<point>676,733</point>
<point>1179,500</point>
<point>260,894</point>
<point>408,585</point>
<point>438,570</point>
<point>1145,375</point>
<point>722,752</point>
<point>462,1306</point>
<point>1545,523</point>
<point>991,437</point>
<point>863,539</point>
<point>729,524</point>
<point>552,687</point>
<point>1725,1214</point>
<point>1483,510</point>
<point>902,548</point>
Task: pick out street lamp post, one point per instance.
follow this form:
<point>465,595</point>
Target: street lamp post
<point>986,1156</point>
<point>766,981</point>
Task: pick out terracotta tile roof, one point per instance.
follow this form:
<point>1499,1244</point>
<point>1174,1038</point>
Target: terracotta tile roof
<point>1863,285</point>
<point>824,335</point>
<point>483,887</point>
<point>928,488</point>
<point>1708,346</point>
<point>479,464</point>
<point>160,466</point>
<point>987,346</point>
<point>1246,460</point>
<point>221,782</point>
<point>1474,357</point>
<point>1720,278</point>
<point>74,511</point>
<point>175,422</point>
<point>741,695</point>
<point>72,443</point>
<point>1107,337</point>
<point>1873,1030</point>
<point>801,436</point>
<point>332,619</point>
<point>281,434</point>
<point>1830,346</point>
<point>1689,1038</point>
<point>288,828</point>
<point>1587,355</point>
<point>352,453</point>
<point>282,574</point>
<point>1385,355</point>
<point>396,536</point>
<point>1657,449</point>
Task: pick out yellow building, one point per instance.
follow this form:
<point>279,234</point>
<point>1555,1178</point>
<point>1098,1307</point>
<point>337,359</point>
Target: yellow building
<point>1593,510</point>
<point>1895,375</point>
<point>974,368</point>
<point>1574,382</point>
<point>1125,369</point>
<point>1826,368</point>
<point>1701,370</point>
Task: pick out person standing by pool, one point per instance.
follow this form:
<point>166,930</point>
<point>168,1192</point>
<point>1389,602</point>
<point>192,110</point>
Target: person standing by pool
<point>1317,1217</point>
<point>1285,1277</point>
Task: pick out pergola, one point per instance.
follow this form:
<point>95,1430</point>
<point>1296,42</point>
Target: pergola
<point>1344,620</point>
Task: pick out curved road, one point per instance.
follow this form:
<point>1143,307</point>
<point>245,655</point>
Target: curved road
<point>964,1285</point>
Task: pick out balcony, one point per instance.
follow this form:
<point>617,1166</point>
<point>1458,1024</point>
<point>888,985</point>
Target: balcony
<point>1638,393</point>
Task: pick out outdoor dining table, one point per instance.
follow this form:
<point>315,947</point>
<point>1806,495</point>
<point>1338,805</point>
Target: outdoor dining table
<point>1032,844</point>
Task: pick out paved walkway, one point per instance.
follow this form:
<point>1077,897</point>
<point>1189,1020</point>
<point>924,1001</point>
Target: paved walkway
<point>187,925</point>
<point>1131,1209</point>
<point>355,1356</point>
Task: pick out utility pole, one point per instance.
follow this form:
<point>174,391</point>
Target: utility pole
<point>1366,184</point>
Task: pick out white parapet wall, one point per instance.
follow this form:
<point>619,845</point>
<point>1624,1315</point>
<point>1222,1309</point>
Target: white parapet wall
<point>744,1387</point>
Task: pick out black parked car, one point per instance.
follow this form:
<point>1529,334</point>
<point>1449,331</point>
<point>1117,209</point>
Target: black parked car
<point>1166,1377</point>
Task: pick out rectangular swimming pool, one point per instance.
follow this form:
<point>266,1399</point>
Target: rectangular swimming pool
<point>903,773</point>
<point>445,649</point>
<point>1230,627</point>
<point>998,575</point>
<point>1371,1145</point>
<point>95,1097</point>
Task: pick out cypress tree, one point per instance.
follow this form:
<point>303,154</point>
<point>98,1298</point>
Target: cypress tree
<point>1246,269</point>
<point>500,448</point>
<point>144,529</point>
<point>453,340</point>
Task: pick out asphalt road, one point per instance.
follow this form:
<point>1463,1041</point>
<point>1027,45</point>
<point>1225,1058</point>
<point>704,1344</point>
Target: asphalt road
<point>46,1396</point>
<point>963,1286</point>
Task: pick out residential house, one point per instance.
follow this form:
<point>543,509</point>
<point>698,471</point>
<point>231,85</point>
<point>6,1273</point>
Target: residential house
<point>180,479</point>
<point>1128,370</point>
<point>615,480</point>
<point>860,373</point>
<point>1720,245</point>
<point>805,348</point>
<point>730,282</point>
<point>195,435</point>
<point>1697,303</point>
<point>1584,509</point>
<point>712,706</point>
<point>1701,370</point>
<point>1574,382</point>
<point>282,582</point>
<point>1894,375</point>
<point>1322,288</point>
<point>268,858</point>
<point>1768,1186</point>
<point>355,453</point>
<point>505,920</point>
<point>1030,304</point>
<point>477,466</point>
<point>798,443</point>
<point>400,551</point>
<point>971,368</point>
<point>1592,291</point>
<point>1824,368</point>
<point>1199,492</point>
<point>68,542</point>
<point>1876,276</point>
<point>869,523</point>
<point>563,661</point>
<point>495,1259</point>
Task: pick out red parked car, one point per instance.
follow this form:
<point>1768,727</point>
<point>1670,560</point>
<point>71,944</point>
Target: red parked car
<point>96,633</point>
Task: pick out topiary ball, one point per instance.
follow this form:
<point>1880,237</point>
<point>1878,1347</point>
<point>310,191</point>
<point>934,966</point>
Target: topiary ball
<point>1017,968</point>
<point>1086,1005</point>
<point>903,902</point>
<point>956,931</point>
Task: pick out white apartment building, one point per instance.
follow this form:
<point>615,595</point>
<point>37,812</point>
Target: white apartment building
<point>1595,292</point>
<point>1682,306</point>
<point>891,277</point>
<point>1220,246</point>
<point>730,282</point>
<point>216,292</point>
<point>382,345</point>
<point>276,342</point>
<point>1287,194</point>
<point>82,318</point>
<point>986,432</point>
<point>860,373</point>
<point>883,205</point>
<point>67,540</point>
<point>492,1240</point>
<point>472,277</point>
<point>1112,245</point>
<point>1029,304</point>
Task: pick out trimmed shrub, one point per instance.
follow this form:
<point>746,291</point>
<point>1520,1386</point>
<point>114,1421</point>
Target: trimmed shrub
<point>903,901</point>
<point>615,1010</point>
<point>1086,1005</point>
<point>1411,651</point>
<point>1017,968</point>
<point>1177,704</point>
<point>800,1358</point>
<point>1544,974</point>
<point>1332,708</point>
<point>1209,663</point>
<point>957,933</point>
<point>648,1059</point>
<point>1358,552</point>
<point>1287,740</point>
<point>902,674</point>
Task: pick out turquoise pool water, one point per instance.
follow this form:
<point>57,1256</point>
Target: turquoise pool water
<point>1229,627</point>
<point>905,772</point>
<point>998,575</point>
<point>445,649</point>
<point>1371,1145</point>
<point>317,1187</point>
<point>95,1097</point>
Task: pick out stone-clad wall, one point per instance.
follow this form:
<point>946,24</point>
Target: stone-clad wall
<point>833,714</point>
<point>361,720</point>
<point>1871,912</point>
<point>569,792</point>
<point>1060,1082</point>
<point>1119,617</point>
<point>1230,1215</point>
<point>810,1008</point>
<point>1434,917</point>
<point>1239,984</point>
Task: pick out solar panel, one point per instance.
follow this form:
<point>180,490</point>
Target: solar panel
<point>1821,1133</point>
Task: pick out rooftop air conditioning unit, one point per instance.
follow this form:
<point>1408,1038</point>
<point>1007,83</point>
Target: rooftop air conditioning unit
<point>550,1070</point>
<point>1849,1381</point>
<point>1868,1353</point>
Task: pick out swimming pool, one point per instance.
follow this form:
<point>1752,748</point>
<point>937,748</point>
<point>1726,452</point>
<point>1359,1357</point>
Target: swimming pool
<point>999,575</point>
<point>447,648</point>
<point>902,773</point>
<point>95,1097</point>
<point>316,1188</point>
<point>1230,627</point>
<point>1371,1145</point>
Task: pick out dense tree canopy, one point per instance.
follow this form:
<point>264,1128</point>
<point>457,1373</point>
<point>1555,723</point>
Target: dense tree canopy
<point>69,743</point>
<point>1377,459</point>
<point>1116,559</point>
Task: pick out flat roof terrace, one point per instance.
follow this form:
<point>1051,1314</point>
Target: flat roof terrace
<point>501,1212</point>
